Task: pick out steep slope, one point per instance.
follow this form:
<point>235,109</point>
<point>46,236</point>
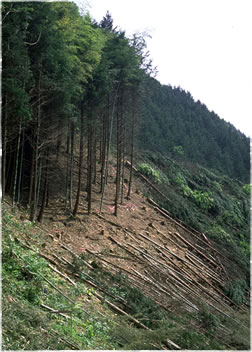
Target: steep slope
<point>145,248</point>
<point>171,118</point>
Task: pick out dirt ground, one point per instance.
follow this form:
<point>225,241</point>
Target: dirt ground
<point>161,256</point>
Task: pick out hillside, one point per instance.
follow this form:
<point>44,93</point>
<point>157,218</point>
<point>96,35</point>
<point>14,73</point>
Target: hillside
<point>173,286</point>
<point>125,203</point>
<point>170,118</point>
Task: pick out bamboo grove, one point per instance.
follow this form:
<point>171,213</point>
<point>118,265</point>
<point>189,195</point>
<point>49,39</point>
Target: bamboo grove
<point>66,80</point>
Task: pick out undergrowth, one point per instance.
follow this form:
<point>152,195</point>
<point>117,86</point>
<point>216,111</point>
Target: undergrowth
<point>27,284</point>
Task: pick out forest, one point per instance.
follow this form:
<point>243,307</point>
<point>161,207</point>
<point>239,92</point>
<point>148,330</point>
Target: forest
<point>67,79</point>
<point>63,75</point>
<point>173,119</point>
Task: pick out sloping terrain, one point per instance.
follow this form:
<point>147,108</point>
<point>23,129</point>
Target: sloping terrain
<point>175,266</point>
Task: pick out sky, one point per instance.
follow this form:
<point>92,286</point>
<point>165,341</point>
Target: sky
<point>203,46</point>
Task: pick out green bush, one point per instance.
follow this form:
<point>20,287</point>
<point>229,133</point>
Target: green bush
<point>247,189</point>
<point>207,319</point>
<point>148,171</point>
<point>236,290</point>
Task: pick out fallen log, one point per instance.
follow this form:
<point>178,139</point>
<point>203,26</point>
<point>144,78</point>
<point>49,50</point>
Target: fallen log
<point>185,227</point>
<point>197,250</point>
<point>61,338</point>
<point>60,312</point>
<point>77,256</point>
<point>63,275</point>
<point>125,248</point>
<point>119,310</point>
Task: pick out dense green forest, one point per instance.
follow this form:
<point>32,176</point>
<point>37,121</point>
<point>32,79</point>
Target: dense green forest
<point>64,76</point>
<point>67,79</point>
<point>171,119</point>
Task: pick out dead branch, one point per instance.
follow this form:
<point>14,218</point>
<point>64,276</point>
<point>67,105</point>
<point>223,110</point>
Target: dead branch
<point>60,312</point>
<point>61,338</point>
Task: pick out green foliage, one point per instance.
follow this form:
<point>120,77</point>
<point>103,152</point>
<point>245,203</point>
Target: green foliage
<point>172,118</point>
<point>178,150</point>
<point>236,290</point>
<point>218,233</point>
<point>247,189</point>
<point>202,199</point>
<point>25,287</point>
<point>149,171</point>
<point>207,319</point>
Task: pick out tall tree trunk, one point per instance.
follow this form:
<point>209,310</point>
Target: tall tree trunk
<point>123,156</point>
<point>36,155</point>
<point>4,144</point>
<point>44,198</point>
<point>94,154</point>
<point>21,168</point>
<point>16,163</point>
<point>90,163</point>
<point>80,161</point>
<point>71,167</point>
<point>133,123</point>
<point>40,162</point>
<point>109,143</point>
<point>119,156</point>
<point>67,165</point>
<point>104,145</point>
<point>31,178</point>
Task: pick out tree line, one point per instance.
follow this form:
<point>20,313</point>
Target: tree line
<point>76,87</point>
<point>65,75</point>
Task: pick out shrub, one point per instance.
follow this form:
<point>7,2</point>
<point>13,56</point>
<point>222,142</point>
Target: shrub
<point>178,150</point>
<point>246,188</point>
<point>148,171</point>
<point>207,319</point>
<point>236,290</point>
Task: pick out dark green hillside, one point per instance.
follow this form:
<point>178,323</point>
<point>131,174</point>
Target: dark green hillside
<point>170,118</point>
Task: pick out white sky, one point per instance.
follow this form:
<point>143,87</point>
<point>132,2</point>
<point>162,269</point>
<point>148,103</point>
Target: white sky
<point>203,46</point>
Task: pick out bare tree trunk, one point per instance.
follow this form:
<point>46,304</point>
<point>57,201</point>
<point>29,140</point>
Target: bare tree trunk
<point>94,154</point>
<point>80,161</point>
<point>40,162</point>
<point>36,155</point>
<point>16,163</point>
<point>21,168</point>
<point>123,157</point>
<point>108,149</point>
<point>71,167</point>
<point>44,198</point>
<point>31,179</point>
<point>104,146</point>
<point>119,156</point>
<point>67,166</point>
<point>90,163</point>
<point>133,123</point>
<point>4,144</point>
